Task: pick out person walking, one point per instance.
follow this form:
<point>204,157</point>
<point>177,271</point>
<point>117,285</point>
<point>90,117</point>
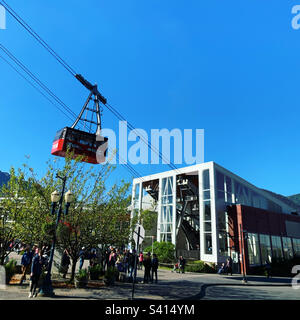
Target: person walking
<point>25,262</point>
<point>268,269</point>
<point>181,264</point>
<point>229,266</point>
<point>112,258</point>
<point>65,262</point>
<point>36,270</point>
<point>81,257</point>
<point>141,259</point>
<point>147,265</point>
<point>154,265</point>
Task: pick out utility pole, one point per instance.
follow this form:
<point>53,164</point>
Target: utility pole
<point>242,254</point>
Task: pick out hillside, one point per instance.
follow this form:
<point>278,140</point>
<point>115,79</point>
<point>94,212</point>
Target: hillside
<point>4,177</point>
<point>295,198</point>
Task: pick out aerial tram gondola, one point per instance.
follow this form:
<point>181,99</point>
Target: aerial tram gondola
<point>90,145</point>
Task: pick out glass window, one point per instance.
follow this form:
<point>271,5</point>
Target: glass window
<point>207,243</point>
<point>220,181</point>
<point>265,248</point>
<point>206,181</point>
<point>253,249</point>
<point>136,196</point>
<point>223,249</point>
<point>276,247</point>
<point>207,211</point>
<point>166,217</point>
<point>287,248</point>
<point>296,244</point>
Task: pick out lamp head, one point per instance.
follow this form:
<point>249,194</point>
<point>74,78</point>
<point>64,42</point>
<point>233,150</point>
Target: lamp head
<point>69,197</point>
<point>54,197</point>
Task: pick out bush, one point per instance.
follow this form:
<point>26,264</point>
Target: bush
<point>10,269</point>
<point>82,275</point>
<point>165,251</point>
<point>111,275</point>
<point>282,267</point>
<point>200,266</point>
<point>95,272</point>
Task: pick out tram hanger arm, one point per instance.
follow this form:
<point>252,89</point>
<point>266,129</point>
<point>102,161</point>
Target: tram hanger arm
<point>90,87</point>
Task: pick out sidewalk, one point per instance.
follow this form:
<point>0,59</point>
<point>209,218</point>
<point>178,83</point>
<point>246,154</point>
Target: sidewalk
<point>171,286</point>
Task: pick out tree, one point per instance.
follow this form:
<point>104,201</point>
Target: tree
<point>11,205</point>
<point>98,215</point>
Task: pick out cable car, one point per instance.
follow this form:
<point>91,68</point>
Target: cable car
<point>90,145</point>
<point>81,144</point>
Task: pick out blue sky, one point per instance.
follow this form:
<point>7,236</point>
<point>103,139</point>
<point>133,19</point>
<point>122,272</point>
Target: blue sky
<point>230,68</point>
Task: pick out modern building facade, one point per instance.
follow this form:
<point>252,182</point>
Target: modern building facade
<point>209,213</point>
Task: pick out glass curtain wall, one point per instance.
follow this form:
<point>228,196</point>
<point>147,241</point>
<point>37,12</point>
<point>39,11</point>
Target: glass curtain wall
<point>276,247</point>
<point>265,248</point>
<point>166,218</point>
<point>296,244</point>
<point>223,197</point>
<point>207,212</point>
<point>253,249</point>
<point>287,248</point>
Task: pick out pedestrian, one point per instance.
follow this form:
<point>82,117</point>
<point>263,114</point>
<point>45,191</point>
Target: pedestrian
<point>36,270</point>
<point>181,264</point>
<point>268,269</point>
<point>228,266</point>
<point>147,264</point>
<point>25,262</point>
<point>93,258</point>
<point>65,262</point>
<point>141,258</point>
<point>81,257</point>
<point>125,261</point>
<point>222,269</point>
<point>112,258</point>
<point>154,265</point>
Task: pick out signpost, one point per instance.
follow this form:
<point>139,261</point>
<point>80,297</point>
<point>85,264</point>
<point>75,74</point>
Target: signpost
<point>138,236</point>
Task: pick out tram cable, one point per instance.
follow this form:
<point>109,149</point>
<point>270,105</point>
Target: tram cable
<point>67,112</point>
<point>80,78</point>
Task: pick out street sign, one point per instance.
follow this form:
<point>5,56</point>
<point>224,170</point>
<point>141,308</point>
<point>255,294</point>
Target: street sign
<point>142,234</point>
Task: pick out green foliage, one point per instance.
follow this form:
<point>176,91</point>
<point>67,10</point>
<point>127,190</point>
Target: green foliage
<point>95,272</point>
<point>200,266</point>
<point>82,275</point>
<point>10,269</point>
<point>165,251</point>
<point>111,274</point>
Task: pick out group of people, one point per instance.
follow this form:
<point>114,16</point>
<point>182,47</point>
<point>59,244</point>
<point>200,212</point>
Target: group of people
<point>34,259</point>
<point>226,267</point>
<point>180,265</point>
<point>127,262</point>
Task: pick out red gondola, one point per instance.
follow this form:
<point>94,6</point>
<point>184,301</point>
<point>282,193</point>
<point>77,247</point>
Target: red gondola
<point>90,145</point>
<point>81,144</point>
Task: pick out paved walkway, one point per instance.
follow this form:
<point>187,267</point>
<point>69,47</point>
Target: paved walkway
<point>174,286</point>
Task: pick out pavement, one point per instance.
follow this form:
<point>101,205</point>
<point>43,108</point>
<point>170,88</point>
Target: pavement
<point>174,286</point>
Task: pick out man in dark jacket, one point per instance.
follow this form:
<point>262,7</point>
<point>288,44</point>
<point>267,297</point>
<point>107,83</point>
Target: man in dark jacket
<point>147,264</point>
<point>36,270</point>
<point>25,262</point>
<point>65,262</point>
<point>154,267</point>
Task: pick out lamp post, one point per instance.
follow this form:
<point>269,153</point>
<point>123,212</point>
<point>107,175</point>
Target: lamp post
<point>242,254</point>
<point>56,198</point>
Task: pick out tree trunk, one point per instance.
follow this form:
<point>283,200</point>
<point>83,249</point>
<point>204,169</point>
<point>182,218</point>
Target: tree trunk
<point>74,261</point>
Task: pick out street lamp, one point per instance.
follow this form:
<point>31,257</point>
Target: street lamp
<point>242,253</point>
<point>56,198</point>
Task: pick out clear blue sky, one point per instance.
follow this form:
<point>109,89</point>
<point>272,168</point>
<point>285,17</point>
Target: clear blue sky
<point>228,67</point>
